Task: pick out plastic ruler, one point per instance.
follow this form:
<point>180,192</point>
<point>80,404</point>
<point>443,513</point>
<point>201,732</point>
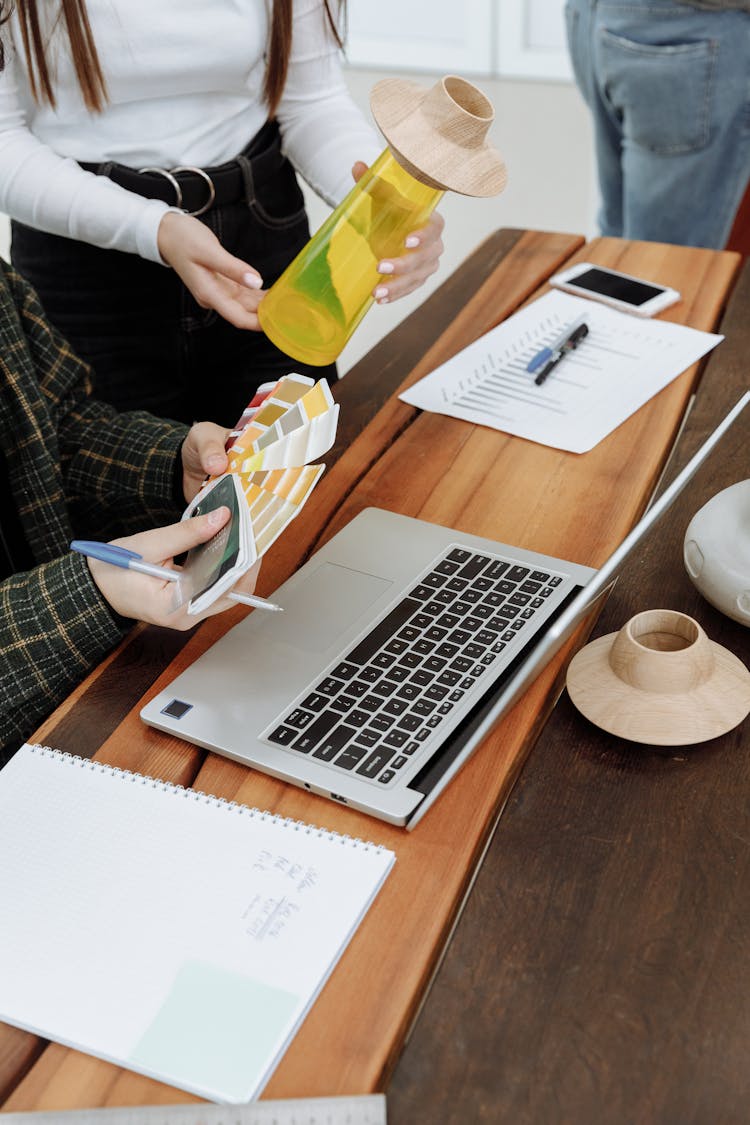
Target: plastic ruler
<point>366,1110</point>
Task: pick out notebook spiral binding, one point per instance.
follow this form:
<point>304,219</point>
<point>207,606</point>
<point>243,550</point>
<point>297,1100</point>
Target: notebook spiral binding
<point>206,798</point>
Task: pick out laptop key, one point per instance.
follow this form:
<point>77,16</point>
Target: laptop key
<point>434,579</point>
<point>367,738</point>
<point>409,691</point>
<point>436,692</point>
<point>386,776</point>
<point>459,555</point>
<point>539,576</point>
<point>474,566</point>
<point>370,674</point>
<point>398,762</point>
<point>351,756</point>
<point>446,567</point>
<point>283,736</point>
<point>517,573</point>
<point>395,706</point>
<point>385,687</point>
<point>334,742</point>
<point>357,718</point>
<point>299,718</point>
<point>486,637</point>
<point>448,678</point>
<point>410,748</point>
<point>344,671</point>
<point>315,702</point>
<point>316,732</point>
<point>342,703</point>
<point>330,686</point>
<point>496,569</point>
<point>396,738</point>
<point>379,758</point>
<point>357,688</point>
<point>409,722</point>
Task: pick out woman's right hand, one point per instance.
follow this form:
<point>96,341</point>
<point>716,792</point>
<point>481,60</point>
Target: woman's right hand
<point>215,277</point>
<point>144,598</point>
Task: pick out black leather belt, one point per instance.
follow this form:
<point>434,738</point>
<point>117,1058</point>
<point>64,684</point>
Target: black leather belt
<point>196,190</point>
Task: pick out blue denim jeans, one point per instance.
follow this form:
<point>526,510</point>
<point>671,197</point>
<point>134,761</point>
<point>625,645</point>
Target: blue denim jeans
<point>668,87</point>
<point>151,345</point>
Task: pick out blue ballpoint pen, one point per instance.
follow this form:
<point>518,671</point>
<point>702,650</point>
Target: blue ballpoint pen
<point>131,560</point>
<point>546,353</point>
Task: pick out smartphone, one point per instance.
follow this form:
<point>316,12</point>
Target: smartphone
<point>213,567</point>
<point>619,290</point>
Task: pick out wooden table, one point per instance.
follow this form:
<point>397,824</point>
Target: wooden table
<point>600,974</point>
<point>453,473</point>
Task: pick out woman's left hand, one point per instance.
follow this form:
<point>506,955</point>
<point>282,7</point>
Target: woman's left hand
<point>419,261</point>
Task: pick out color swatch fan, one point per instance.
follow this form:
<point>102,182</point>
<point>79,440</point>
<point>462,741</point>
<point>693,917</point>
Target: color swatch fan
<point>284,428</point>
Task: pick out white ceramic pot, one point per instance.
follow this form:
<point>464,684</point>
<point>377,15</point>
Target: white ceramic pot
<point>717,551</point>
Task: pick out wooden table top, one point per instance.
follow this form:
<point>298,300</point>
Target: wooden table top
<point>456,474</point>
<point>600,974</point>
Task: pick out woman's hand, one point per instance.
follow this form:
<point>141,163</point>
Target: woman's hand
<point>215,277</point>
<point>420,260</point>
<point>144,598</point>
<point>203,455</point>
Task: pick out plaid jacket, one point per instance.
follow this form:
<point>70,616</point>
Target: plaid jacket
<point>76,468</point>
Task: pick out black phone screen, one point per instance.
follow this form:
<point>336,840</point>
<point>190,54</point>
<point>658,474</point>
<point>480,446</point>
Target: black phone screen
<point>210,561</point>
<point>613,285</point>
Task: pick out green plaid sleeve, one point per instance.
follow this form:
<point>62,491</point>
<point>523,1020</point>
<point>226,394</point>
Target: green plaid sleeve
<point>54,628</point>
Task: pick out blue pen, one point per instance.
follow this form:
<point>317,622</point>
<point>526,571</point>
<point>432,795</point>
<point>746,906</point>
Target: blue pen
<point>546,354</point>
<point>131,560</point>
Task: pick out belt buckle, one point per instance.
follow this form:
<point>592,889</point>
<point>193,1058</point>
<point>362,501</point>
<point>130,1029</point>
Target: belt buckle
<point>170,175</point>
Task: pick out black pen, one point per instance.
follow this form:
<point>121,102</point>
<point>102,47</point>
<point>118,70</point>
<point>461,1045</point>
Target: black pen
<point>579,333</point>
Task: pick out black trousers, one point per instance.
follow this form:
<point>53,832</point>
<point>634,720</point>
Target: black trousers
<point>151,345</point>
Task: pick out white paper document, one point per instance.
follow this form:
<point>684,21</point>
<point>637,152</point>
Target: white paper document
<point>622,362</point>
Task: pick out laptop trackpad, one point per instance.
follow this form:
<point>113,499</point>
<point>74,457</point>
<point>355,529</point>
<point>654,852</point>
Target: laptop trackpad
<point>321,608</point>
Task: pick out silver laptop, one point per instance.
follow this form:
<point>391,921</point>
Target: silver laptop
<point>401,644</point>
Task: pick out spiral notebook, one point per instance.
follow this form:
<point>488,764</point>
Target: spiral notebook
<point>174,933</point>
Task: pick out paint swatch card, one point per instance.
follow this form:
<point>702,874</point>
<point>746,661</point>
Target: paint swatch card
<point>287,425</point>
<point>167,931</point>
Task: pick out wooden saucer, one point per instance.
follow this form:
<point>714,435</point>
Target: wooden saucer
<point>661,681</point>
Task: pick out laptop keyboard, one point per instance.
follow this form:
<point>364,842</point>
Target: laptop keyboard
<point>373,712</point>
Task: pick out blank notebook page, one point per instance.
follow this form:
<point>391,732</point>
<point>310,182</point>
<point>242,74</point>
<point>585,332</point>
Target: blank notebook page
<point>179,935</point>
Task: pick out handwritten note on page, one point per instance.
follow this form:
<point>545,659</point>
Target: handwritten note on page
<point>623,362</point>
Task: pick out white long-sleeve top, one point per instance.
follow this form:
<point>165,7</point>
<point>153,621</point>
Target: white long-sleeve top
<point>185,81</point>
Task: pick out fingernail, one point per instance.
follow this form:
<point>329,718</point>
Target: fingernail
<point>411,242</point>
<point>217,516</point>
<point>215,461</point>
<point>385,267</point>
<point>380,293</point>
<point>252,280</point>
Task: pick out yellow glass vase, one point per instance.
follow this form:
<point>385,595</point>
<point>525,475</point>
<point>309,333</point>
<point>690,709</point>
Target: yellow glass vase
<point>313,308</point>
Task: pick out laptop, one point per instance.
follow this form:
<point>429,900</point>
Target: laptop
<point>402,643</point>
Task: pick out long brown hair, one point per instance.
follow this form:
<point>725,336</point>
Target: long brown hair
<point>88,69</point>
